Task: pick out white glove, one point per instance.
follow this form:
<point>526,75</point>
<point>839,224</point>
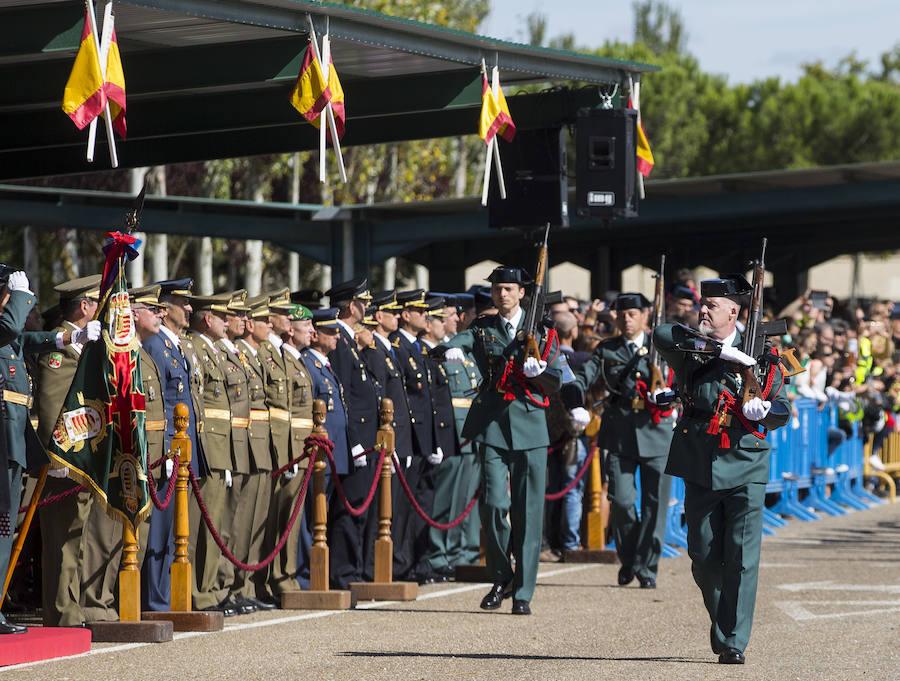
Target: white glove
<point>408,461</point>
<point>228,480</point>
<point>581,416</point>
<point>18,281</point>
<point>59,472</point>
<point>533,367</point>
<point>170,466</point>
<point>291,473</point>
<point>358,461</point>
<point>393,467</point>
<point>88,332</point>
<point>436,458</point>
<point>454,355</point>
<point>756,409</point>
<point>732,354</point>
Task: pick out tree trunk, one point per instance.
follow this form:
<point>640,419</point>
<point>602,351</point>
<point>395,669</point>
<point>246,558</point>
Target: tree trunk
<point>253,273</point>
<point>421,276</point>
<point>203,266</point>
<point>159,243</point>
<point>390,273</point>
<point>31,258</point>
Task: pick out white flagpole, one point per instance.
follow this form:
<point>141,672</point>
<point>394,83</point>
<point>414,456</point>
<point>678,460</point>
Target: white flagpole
<point>487,156</point>
<point>495,88</point>
<point>323,149</point>
<point>635,89</point>
<point>328,113</point>
<point>101,56</point>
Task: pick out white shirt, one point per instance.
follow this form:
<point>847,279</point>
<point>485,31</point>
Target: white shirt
<point>249,347</point>
<point>210,344</point>
<point>637,343</point>
<point>730,339</point>
<point>291,349</point>
<point>429,344</point>
<point>347,327</point>
<point>514,320</point>
<point>170,335</point>
<point>276,341</point>
<point>228,344</point>
<point>319,356</point>
<point>408,336</point>
<point>384,341</point>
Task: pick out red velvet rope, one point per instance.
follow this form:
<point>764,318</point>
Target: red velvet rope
<point>433,523</point>
<point>170,488</point>
<point>298,505</point>
<point>568,488</point>
<point>340,490</point>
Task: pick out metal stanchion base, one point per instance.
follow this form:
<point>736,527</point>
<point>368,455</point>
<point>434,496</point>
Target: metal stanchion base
<point>188,620</point>
<point>318,600</point>
<point>472,573</point>
<point>131,632</point>
<point>385,591</point>
<point>591,556</point>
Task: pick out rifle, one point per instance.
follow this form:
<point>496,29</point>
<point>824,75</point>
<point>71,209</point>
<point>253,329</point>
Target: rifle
<point>754,342</point>
<point>535,312</point>
<point>657,368</point>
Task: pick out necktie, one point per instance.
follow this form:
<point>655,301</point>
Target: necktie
<point>509,329</point>
<point>632,348</point>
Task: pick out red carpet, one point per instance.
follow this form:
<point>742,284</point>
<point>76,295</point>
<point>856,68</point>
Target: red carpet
<point>43,643</point>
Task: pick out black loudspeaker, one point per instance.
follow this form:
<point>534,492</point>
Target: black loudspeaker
<point>537,186</point>
<point>605,163</point>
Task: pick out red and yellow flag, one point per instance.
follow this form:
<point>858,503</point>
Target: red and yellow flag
<point>337,102</point>
<point>311,93</point>
<point>644,155</point>
<point>85,95</point>
<point>115,81</point>
<point>495,116</point>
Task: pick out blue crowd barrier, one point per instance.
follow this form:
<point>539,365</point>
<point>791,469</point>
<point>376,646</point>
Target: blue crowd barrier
<point>800,470</point>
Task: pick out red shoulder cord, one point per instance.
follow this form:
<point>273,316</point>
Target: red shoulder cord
<point>656,412</point>
<point>513,376</point>
<point>728,404</point>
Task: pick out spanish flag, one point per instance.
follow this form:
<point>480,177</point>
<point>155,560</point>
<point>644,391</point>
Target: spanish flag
<point>337,102</point>
<point>495,116</point>
<point>85,95</point>
<point>311,93</point>
<point>115,78</point>
<point>644,155</point>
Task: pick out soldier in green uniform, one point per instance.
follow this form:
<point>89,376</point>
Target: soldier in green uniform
<point>235,528</point>
<point>207,327</point>
<point>285,567</point>
<point>723,457</point>
<point>259,484</point>
<point>63,523</point>
<point>23,450</point>
<point>278,399</point>
<point>458,476</point>
<point>636,433</point>
<point>511,435</point>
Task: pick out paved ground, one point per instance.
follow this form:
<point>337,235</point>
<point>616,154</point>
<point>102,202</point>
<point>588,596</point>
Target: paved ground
<point>828,608</point>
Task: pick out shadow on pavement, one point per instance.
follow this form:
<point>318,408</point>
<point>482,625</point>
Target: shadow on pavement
<point>534,658</point>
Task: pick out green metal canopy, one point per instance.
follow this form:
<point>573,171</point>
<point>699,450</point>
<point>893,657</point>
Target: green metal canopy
<point>211,78</point>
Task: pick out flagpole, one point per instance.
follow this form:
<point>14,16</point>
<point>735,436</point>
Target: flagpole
<point>635,89</point>
<point>113,156</point>
<point>329,115</point>
<point>487,154</point>
<point>495,88</point>
<point>329,111</point>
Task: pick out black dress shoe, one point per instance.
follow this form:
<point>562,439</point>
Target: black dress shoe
<point>243,606</point>
<point>495,596</point>
<point>626,575</point>
<point>714,642</point>
<point>647,582</point>
<point>226,608</point>
<point>521,608</point>
<point>266,603</point>
<point>10,628</point>
<point>731,656</point>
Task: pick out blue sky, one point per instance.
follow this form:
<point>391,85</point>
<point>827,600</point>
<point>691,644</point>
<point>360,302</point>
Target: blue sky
<point>743,40</point>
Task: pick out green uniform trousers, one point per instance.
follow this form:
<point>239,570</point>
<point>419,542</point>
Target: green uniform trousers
<point>230,530</point>
<point>283,573</point>
<point>101,558</point>
<point>446,485</point>
<point>259,495</point>
<point>203,551</point>
<point>639,542</point>
<point>724,537</point>
<point>14,479</point>
<point>62,527</point>
<point>526,472</point>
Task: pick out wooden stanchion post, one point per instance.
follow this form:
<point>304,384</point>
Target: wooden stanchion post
<point>384,588</point>
<point>181,614</point>
<point>594,550</point>
<point>129,578</point>
<point>319,596</point>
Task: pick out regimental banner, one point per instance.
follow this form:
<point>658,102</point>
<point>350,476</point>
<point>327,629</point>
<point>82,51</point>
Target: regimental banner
<point>100,433</point>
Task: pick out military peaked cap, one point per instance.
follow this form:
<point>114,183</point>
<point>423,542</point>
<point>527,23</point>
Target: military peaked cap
<point>348,290</point>
<point>308,297</point>
<point>83,287</point>
<point>414,298</point>
<point>176,287</point>
<point>325,317</point>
